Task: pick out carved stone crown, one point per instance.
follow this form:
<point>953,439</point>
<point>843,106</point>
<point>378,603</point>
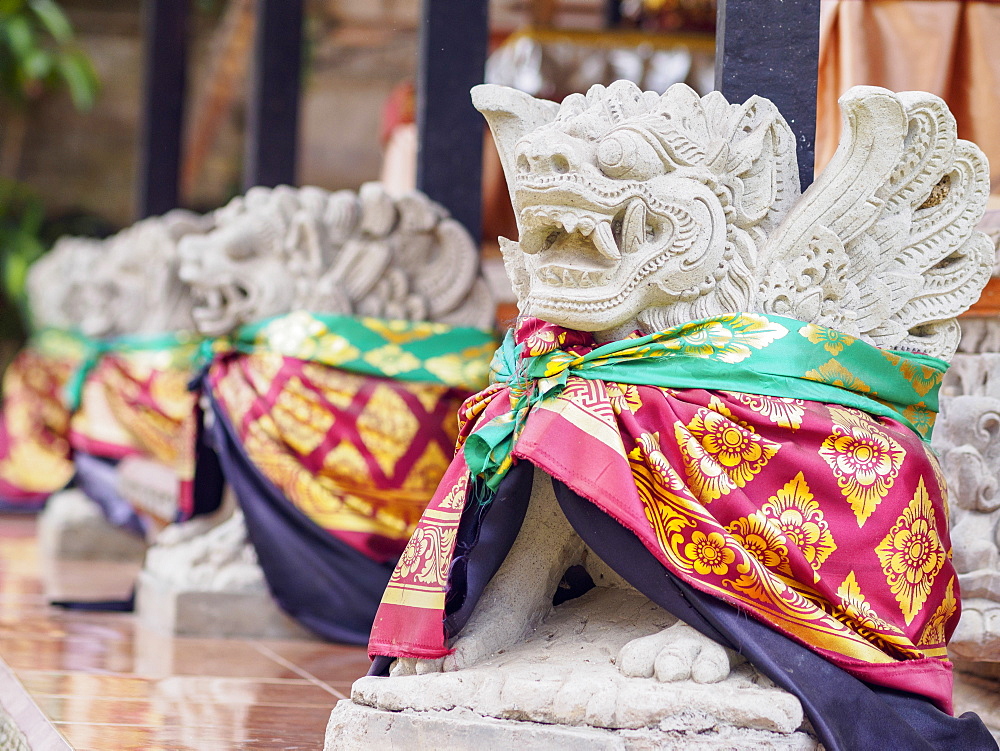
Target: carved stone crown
<point>366,253</point>
<point>648,211</point>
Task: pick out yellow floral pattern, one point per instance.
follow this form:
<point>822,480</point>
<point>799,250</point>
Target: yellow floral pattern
<point>762,540</point>
<point>797,514</point>
<point>719,452</point>
<point>865,460</point>
<point>912,554</point>
<point>935,630</point>
<point>392,360</point>
<point>920,417</point>
<point>624,397</point>
<point>746,561</point>
<point>709,553</point>
<point>856,606</point>
<point>782,411</point>
<point>835,374</point>
<point>922,378</point>
<point>727,338</point>
<point>833,341</point>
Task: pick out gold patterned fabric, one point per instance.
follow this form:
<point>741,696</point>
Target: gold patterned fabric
<point>359,455</point>
<point>826,520</point>
<point>35,456</point>
<point>137,404</point>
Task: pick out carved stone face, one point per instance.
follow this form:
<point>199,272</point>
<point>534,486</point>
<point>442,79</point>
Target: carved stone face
<point>50,280</point>
<point>598,250</point>
<point>237,274</point>
<point>627,202</point>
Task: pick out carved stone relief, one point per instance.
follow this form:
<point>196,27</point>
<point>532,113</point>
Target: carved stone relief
<point>967,438</point>
<point>640,210</point>
<point>981,333</point>
<point>366,253</point>
<point>277,250</point>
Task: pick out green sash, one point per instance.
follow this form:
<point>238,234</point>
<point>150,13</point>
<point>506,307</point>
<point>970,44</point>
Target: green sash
<point>404,350</point>
<point>747,352</point>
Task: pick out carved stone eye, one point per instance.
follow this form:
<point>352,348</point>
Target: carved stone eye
<point>624,154</point>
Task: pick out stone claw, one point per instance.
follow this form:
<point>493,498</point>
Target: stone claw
<point>677,653</point>
<point>404,666</point>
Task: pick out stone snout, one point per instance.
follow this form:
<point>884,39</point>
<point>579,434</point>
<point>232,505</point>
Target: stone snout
<point>598,253</point>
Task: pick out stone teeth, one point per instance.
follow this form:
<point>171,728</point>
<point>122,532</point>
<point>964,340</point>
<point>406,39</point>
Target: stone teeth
<point>634,226</point>
<point>604,241</point>
<point>532,241</point>
<point>586,226</point>
<point>569,223</point>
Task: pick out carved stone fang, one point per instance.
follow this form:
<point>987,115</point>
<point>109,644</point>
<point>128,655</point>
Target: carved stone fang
<point>634,226</point>
<point>533,242</point>
<point>604,241</point>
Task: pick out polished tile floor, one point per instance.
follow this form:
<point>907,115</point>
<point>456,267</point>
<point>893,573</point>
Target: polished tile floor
<point>105,683</point>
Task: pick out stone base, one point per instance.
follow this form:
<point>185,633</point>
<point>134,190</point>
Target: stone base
<point>561,685</point>
<point>355,727</point>
<point>215,614</point>
<point>84,558</point>
<point>73,527</point>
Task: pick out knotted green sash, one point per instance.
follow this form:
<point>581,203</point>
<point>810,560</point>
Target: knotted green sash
<point>747,352</point>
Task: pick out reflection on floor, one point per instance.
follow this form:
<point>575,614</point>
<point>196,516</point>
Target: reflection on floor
<point>105,683</point>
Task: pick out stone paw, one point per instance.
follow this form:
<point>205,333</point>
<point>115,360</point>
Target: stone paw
<point>404,666</point>
<point>677,653</point>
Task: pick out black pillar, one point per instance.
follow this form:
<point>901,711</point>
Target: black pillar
<point>612,13</point>
<point>771,48</point>
<point>161,129</point>
<point>453,46</point>
<point>273,108</point>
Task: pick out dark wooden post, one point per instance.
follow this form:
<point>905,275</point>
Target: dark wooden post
<point>273,109</point>
<point>453,46</point>
<point>612,13</point>
<point>162,126</point>
<point>771,48</point>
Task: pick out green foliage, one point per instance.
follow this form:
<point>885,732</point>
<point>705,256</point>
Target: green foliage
<point>38,53</point>
<point>21,218</point>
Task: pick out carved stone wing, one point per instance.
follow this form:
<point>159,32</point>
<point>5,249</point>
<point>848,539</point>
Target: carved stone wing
<point>883,245</point>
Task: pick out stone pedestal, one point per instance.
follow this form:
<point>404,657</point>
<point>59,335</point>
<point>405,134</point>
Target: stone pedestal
<point>245,615</point>
<point>561,686</point>
<point>202,579</point>
<point>84,558</point>
<point>357,727</point>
